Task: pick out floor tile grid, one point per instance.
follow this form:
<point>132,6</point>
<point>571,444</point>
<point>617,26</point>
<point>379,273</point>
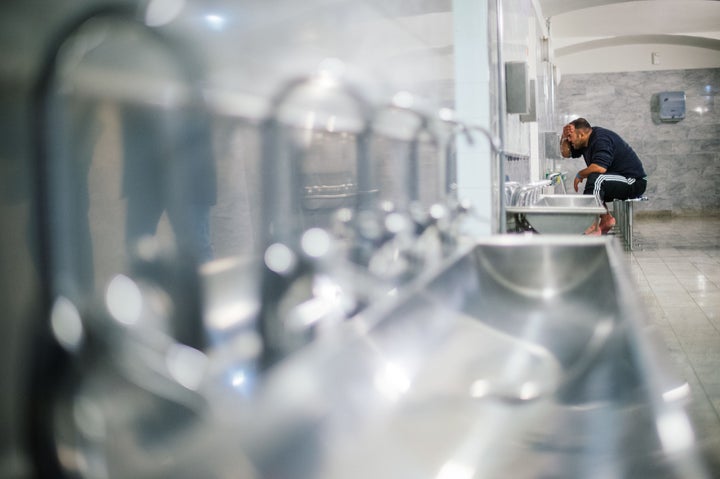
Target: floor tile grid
<point>681,290</point>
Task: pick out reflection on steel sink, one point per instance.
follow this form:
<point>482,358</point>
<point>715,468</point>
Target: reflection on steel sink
<point>560,214</point>
<point>521,357</point>
<point>525,357</point>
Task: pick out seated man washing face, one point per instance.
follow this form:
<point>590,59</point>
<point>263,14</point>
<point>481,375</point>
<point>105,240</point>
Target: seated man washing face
<point>613,170</point>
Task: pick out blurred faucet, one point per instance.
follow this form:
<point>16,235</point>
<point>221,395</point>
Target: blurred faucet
<point>404,102</point>
<point>386,240</point>
<point>436,228</point>
<point>137,359</point>
<point>460,210</point>
<point>464,130</point>
<point>289,266</point>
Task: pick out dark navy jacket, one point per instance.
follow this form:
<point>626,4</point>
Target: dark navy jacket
<point>605,148</point>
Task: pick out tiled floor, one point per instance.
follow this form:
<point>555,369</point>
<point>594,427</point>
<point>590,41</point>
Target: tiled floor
<point>676,265</point>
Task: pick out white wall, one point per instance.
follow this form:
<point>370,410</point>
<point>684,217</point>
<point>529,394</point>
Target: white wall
<point>629,58</point>
<point>472,100</point>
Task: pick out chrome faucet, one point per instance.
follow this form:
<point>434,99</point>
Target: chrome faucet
<point>510,188</point>
<point>528,194</point>
<point>557,177</point>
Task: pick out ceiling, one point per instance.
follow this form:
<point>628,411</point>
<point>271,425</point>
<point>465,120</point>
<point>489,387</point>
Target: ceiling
<point>590,36</point>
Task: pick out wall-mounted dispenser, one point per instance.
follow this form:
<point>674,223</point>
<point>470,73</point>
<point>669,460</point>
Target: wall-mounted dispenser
<point>671,106</point>
<point>517,84</point>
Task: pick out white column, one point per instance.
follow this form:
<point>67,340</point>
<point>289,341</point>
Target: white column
<point>536,172</point>
<point>472,103</point>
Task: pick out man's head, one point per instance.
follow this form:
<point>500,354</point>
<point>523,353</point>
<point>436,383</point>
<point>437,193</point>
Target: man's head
<point>580,133</point>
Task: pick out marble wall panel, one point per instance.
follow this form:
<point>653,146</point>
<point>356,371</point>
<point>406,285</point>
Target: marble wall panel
<point>682,159</point>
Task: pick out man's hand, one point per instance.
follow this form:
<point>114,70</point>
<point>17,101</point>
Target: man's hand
<point>577,181</point>
<point>565,148</point>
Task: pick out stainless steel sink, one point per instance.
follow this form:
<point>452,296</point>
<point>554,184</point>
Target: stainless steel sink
<point>525,357</point>
<point>560,214</point>
<point>522,356</point>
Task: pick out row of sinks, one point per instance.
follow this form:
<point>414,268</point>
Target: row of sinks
<point>525,357</point>
<point>520,356</point>
<point>559,214</point>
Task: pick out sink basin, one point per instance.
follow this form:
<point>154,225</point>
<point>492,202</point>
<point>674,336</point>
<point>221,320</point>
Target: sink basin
<point>567,201</point>
<point>560,214</point>
<point>525,357</point>
<point>521,356</point>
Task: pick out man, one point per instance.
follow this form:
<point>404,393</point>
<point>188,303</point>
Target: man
<point>613,172</point>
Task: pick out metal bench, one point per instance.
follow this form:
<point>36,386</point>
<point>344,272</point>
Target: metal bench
<point>623,212</point>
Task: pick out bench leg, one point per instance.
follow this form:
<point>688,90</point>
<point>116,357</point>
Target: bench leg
<point>623,221</point>
<point>616,215</point>
<point>623,210</point>
<point>620,218</point>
